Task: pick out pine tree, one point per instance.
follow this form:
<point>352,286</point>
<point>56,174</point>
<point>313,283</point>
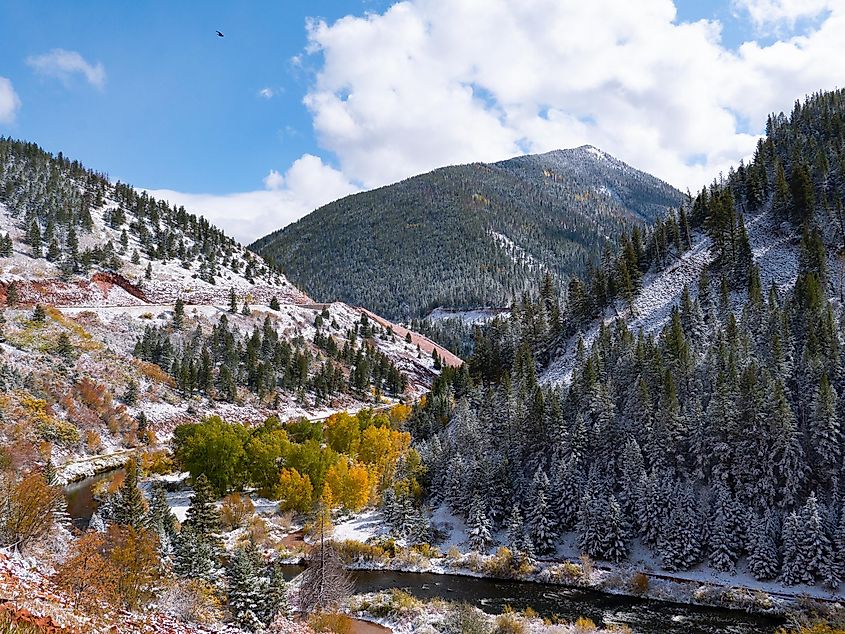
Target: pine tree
<point>179,314</point>
<point>836,567</point>
<point>63,347</point>
<point>245,588</point>
<point>12,297</point>
<point>478,526</point>
<point>516,529</point>
<point>762,549</point>
<point>233,301</point>
<point>814,543</point>
<point>148,272</point>
<point>193,556</point>
<point>825,434</point>
<point>202,516</point>
<point>128,506</point>
<point>34,236</point>
<point>724,543</point>
<point>792,570</point>
<point>160,518</point>
<point>274,303</point>
<point>276,596</point>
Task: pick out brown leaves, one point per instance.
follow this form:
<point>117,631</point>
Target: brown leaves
<point>28,508</point>
<point>120,567</point>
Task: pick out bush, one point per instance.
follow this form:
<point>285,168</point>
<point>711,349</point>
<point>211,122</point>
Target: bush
<point>192,601</point>
<point>465,619</point>
<point>639,583</point>
<point>509,623</point>
<point>157,462</point>
<point>235,510</point>
<point>351,550</point>
<point>584,626</point>
<point>331,622</point>
<point>501,564</point>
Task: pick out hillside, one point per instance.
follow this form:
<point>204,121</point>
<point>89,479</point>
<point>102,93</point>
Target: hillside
<point>467,236</point>
<point>123,316</point>
<point>681,410</point>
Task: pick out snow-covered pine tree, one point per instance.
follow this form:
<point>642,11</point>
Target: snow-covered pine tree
<point>792,570</point>
<point>160,518</point>
<point>615,547</point>
<point>245,589</point>
<point>515,528</point>
<point>762,548</point>
<point>540,516</point>
<point>836,569</point>
<point>128,506</point>
<point>565,494</point>
<point>680,545</point>
<point>202,516</point>
<point>724,544</point>
<point>193,557</point>
<point>478,526</point>
<point>814,542</point>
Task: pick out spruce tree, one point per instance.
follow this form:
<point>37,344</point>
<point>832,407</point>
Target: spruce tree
<point>202,516</point>
<point>478,526</point>
<point>245,590</point>
<point>762,549</point>
<point>179,314</point>
<point>128,506</point>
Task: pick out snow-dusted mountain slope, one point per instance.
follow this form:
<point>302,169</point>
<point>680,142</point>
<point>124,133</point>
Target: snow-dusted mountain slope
<point>468,235</point>
<point>109,362</point>
<point>774,248</point>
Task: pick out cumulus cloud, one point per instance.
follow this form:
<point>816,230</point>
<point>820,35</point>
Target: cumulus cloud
<point>772,13</point>
<point>307,184</point>
<point>429,83</point>
<point>9,101</point>
<point>267,93</point>
<point>65,65</point>
<point>434,82</point>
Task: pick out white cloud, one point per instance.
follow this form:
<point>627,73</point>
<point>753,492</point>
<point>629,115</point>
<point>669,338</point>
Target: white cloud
<point>429,83</point>
<point>9,101</point>
<point>435,82</point>
<point>307,184</point>
<point>774,13</point>
<point>267,93</point>
<point>64,65</point>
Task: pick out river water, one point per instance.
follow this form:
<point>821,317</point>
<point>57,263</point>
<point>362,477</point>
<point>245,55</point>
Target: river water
<point>643,616</point>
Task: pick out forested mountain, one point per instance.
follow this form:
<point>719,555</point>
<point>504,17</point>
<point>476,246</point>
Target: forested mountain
<point>467,235</point>
<point>121,316</point>
<point>691,389</point>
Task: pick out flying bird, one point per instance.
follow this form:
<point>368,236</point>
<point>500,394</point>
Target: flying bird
<point>219,34</point>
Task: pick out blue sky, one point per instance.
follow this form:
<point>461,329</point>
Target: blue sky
<point>147,93</point>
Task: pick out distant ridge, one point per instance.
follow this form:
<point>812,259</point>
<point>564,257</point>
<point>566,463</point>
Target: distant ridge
<point>467,235</point>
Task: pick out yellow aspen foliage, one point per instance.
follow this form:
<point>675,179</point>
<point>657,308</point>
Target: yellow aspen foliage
<point>343,434</point>
<point>399,413</point>
<point>381,447</point>
<point>294,491</point>
<point>350,484</point>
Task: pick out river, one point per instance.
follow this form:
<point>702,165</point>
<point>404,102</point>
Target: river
<point>643,616</point>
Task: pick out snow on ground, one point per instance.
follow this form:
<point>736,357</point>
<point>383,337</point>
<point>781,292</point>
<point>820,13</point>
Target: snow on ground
<point>773,250</point>
<point>515,252</point>
<point>360,527</point>
<point>470,317</point>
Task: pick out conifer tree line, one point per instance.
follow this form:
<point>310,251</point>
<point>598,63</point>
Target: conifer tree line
<point>52,199</point>
<point>715,441</point>
<point>217,363</point>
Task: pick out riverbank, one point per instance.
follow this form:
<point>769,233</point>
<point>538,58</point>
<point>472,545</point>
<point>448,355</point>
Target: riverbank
<point>77,470</point>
